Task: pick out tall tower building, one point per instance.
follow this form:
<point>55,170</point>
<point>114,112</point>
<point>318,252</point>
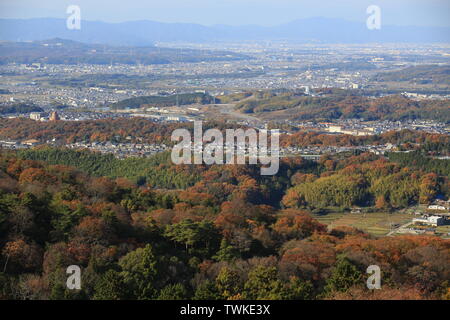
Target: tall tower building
<point>54,116</point>
<point>307,91</point>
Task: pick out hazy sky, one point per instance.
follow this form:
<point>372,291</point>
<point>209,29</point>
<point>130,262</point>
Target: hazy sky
<point>234,12</point>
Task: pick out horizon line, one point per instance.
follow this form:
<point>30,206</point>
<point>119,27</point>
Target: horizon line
<point>228,25</point>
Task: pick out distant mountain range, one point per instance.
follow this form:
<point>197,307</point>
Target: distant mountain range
<point>313,30</point>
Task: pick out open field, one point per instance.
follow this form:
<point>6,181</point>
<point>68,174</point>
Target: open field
<point>377,223</point>
<point>444,230</point>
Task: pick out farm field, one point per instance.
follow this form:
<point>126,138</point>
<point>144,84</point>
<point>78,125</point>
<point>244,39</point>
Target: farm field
<point>377,223</point>
<point>444,230</point>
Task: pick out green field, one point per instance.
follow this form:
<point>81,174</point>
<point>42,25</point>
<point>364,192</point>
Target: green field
<point>377,224</point>
<point>444,231</point>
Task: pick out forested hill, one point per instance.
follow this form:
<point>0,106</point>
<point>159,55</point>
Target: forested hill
<point>137,130</point>
<point>218,239</point>
<point>342,105</point>
<point>140,130</point>
<point>155,171</point>
<point>165,101</point>
<point>19,108</point>
<point>363,180</point>
<point>424,74</point>
<point>417,159</point>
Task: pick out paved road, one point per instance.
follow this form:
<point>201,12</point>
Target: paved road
<point>401,227</point>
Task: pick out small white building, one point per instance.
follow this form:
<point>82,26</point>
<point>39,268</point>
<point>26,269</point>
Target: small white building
<point>335,129</point>
<point>31,142</point>
<point>436,207</point>
<point>37,116</point>
<point>433,220</point>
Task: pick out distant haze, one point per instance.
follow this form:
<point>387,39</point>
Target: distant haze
<point>235,12</point>
<point>312,30</point>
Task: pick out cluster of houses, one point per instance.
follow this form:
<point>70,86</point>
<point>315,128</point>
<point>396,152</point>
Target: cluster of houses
<point>44,116</point>
<point>14,145</point>
<point>433,220</point>
<point>357,127</point>
<point>121,150</point>
<point>311,151</point>
<point>427,221</point>
<point>438,214</point>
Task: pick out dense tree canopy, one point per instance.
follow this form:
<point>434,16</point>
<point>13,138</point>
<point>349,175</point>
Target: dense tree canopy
<point>224,236</point>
